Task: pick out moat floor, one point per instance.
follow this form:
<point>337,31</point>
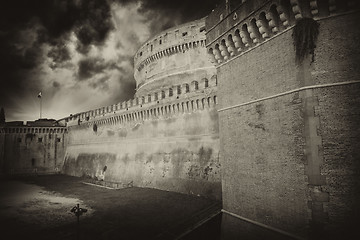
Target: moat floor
<point>39,207</point>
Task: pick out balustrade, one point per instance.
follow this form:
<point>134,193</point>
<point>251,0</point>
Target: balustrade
<point>268,21</point>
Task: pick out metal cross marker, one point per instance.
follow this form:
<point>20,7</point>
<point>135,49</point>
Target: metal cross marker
<point>78,211</point>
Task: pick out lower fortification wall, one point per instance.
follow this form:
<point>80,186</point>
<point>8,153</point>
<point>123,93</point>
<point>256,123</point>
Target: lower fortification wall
<point>26,150</point>
<point>172,149</point>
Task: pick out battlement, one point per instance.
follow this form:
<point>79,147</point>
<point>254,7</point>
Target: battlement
<point>233,31</point>
<point>183,98</point>
<point>26,129</point>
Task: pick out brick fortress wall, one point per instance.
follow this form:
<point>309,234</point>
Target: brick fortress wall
<point>289,138</point>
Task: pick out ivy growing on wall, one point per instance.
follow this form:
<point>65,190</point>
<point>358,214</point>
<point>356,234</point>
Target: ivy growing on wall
<point>304,36</point>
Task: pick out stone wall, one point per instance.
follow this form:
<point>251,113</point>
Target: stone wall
<point>170,143</point>
<point>172,146</point>
<point>262,142</point>
<point>27,150</point>
<point>288,133</point>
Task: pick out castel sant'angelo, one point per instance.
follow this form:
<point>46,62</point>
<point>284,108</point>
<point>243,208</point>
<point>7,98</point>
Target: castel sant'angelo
<point>256,105</point>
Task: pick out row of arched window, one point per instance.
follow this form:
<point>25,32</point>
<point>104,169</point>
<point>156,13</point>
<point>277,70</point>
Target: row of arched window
<point>171,36</point>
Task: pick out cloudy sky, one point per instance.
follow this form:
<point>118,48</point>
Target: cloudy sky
<point>79,53</point>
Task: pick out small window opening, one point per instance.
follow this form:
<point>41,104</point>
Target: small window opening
<point>162,94</point>
<point>40,139</point>
<point>58,139</point>
<point>140,54</point>
<point>184,34</point>
<point>196,85</point>
<point>202,29</point>
<point>32,162</point>
<point>160,41</point>
<point>170,92</point>
<point>19,140</point>
<point>156,96</point>
<point>178,89</point>
<point>187,88</point>
<point>206,83</point>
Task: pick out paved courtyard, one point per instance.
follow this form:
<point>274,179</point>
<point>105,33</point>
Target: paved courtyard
<point>39,207</point>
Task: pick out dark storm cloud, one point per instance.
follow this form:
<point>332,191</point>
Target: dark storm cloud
<point>50,21</point>
<point>170,13</point>
<point>56,84</point>
<point>91,66</point>
<point>59,53</point>
<point>101,83</point>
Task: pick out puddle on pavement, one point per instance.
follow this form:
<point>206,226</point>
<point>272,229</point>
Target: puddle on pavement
<point>30,203</point>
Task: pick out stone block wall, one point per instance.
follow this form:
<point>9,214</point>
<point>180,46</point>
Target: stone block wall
<point>26,150</point>
<point>171,147</point>
<point>289,134</point>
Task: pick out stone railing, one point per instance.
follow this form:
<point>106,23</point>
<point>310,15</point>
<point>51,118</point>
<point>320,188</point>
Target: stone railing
<point>270,19</point>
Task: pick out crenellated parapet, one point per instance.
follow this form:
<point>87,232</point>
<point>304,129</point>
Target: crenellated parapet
<point>184,98</point>
<point>37,130</point>
<point>235,30</point>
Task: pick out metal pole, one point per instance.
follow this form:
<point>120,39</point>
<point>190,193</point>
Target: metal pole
<point>40,106</point>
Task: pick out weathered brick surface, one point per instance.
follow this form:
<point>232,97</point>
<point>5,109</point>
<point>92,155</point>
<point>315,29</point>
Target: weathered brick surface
<point>337,52</point>
<point>263,163</point>
<point>292,162</point>
<point>264,71</point>
<point>339,112</point>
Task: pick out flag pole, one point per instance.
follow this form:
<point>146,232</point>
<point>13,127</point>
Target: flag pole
<point>40,96</point>
<point>40,106</point>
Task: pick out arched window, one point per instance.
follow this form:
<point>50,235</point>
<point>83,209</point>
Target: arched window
<point>162,94</point>
<point>170,92</point>
<point>179,89</point>
<point>196,85</point>
<point>156,96</point>
<point>206,83</point>
<point>187,88</point>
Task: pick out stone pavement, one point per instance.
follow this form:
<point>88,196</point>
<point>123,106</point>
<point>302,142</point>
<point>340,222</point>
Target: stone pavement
<point>39,206</point>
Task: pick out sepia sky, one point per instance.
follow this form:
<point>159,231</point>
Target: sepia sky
<point>79,53</point>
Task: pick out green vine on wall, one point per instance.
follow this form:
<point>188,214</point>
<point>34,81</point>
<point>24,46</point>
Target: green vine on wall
<point>304,35</point>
